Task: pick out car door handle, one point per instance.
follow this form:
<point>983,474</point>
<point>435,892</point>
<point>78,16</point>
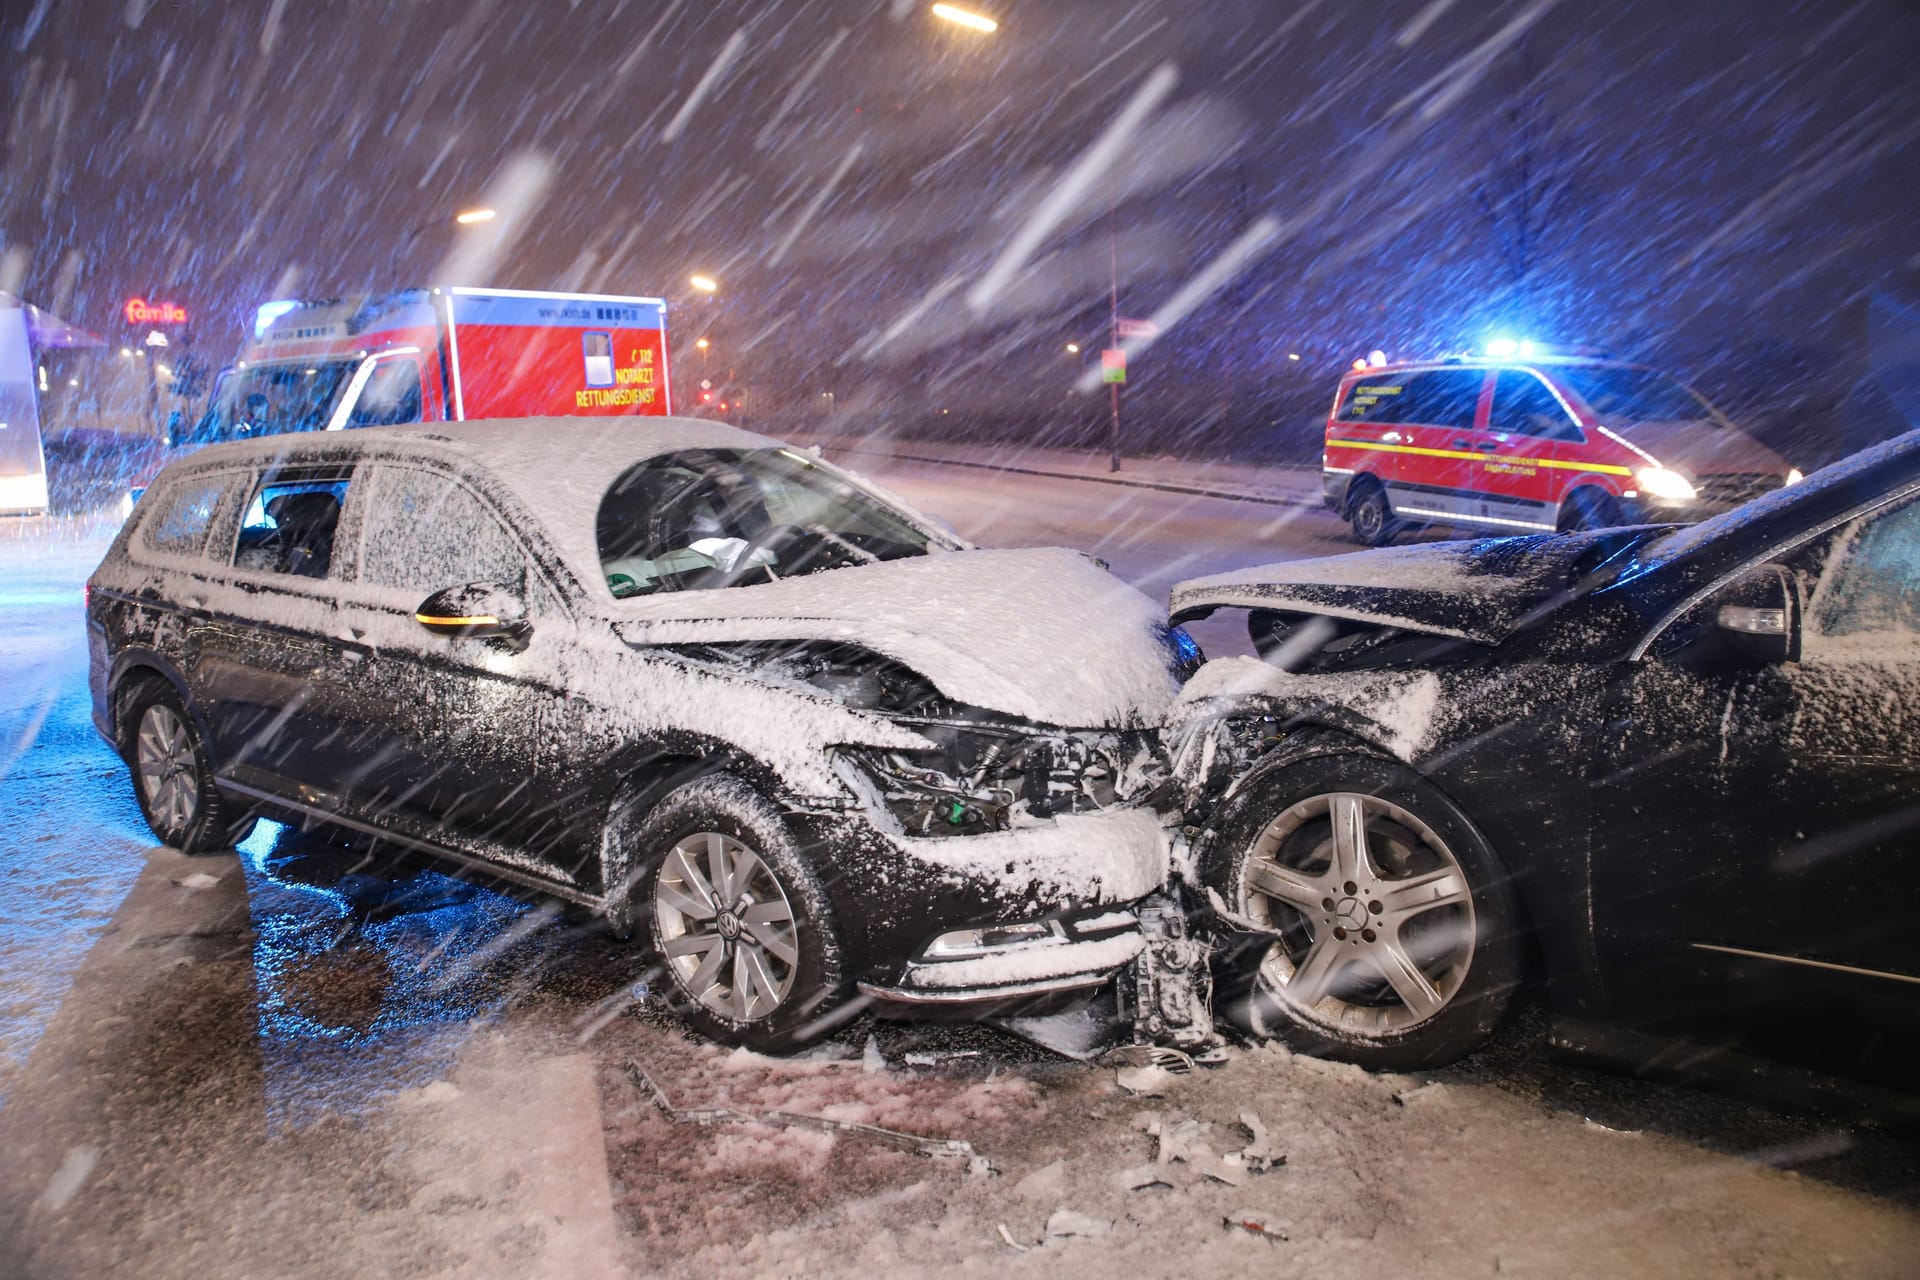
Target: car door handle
<point>1462,444</point>
<point>1486,448</point>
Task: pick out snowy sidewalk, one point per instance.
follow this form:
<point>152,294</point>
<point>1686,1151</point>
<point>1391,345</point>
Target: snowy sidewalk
<point>1273,484</point>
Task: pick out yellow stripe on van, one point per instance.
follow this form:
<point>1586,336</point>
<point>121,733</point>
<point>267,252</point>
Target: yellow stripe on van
<point>1601,468</point>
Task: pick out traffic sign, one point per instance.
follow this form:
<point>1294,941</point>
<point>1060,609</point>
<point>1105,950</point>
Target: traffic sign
<point>1113,365</point>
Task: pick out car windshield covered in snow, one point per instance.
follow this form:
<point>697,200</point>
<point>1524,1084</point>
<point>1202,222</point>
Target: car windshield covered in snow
<point>1626,397</point>
<point>705,518</point>
<point>273,399</point>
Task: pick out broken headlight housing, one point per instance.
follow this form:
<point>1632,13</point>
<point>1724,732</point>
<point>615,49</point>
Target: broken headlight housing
<point>986,772</point>
<point>992,776</point>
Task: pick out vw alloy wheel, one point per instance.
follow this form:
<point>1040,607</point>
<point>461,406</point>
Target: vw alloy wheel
<point>723,922</point>
<point>169,771</point>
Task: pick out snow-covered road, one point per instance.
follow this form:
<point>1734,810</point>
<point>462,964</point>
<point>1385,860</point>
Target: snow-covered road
<point>271,1063</point>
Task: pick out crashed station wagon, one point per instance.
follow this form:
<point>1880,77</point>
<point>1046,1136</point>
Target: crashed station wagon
<point>728,696</point>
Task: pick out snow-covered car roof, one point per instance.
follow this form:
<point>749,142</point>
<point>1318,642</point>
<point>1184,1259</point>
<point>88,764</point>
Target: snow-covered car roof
<point>559,468</point>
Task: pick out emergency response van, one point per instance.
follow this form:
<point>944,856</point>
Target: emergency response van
<point>1536,443</point>
<point>421,355</point>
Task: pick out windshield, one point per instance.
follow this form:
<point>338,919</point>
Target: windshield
<point>709,518</point>
<point>1626,397</point>
<point>272,399</point>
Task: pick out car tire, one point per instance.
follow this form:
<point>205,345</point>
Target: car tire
<point>1411,961</point>
<point>171,771</point>
<point>1588,509</point>
<point>1371,516</point>
<point>763,967</point>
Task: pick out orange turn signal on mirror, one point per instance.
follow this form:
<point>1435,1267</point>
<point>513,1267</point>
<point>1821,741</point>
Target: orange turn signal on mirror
<point>432,620</point>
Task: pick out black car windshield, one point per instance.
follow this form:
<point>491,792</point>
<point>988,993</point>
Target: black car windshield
<point>706,518</point>
<point>1623,398</point>
<point>273,399</point>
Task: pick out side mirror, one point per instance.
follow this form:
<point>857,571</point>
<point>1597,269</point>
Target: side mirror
<point>1760,616</point>
<point>477,611</point>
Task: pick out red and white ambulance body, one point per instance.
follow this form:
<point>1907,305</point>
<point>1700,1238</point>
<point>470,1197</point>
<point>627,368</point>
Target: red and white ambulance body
<point>437,355</point>
<point>1532,444</point>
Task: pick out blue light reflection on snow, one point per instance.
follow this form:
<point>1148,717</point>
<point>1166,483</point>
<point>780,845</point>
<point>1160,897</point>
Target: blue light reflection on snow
<point>353,1007</point>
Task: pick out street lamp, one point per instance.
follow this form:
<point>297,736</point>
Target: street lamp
<point>472,216</point>
<point>705,284</point>
<point>703,344</point>
<point>962,18</point>
<point>1073,348</point>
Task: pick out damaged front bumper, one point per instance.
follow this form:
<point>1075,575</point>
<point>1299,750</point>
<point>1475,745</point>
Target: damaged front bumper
<point>1016,962</point>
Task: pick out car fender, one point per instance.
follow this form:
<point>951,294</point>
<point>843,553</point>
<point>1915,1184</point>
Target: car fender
<point>131,663</point>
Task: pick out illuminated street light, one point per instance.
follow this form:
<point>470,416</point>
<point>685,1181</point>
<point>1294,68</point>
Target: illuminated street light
<point>472,216</point>
<point>1293,355</point>
<point>705,284</point>
<point>702,344</point>
<point>960,17</point>
<point>1073,348</point>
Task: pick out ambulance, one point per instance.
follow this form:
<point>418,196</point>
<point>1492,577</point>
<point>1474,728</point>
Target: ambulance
<point>1523,439</point>
<point>441,355</point>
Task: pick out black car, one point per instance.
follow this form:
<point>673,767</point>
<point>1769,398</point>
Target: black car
<point>1672,774</point>
<point>706,685</point>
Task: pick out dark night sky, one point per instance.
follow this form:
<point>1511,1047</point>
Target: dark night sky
<point>1735,175</point>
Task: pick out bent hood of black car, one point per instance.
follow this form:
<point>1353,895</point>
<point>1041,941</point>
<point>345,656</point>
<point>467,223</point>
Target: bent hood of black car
<point>1480,590</point>
<point>1046,635</point>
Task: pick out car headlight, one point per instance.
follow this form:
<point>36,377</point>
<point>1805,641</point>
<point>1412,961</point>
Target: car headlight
<point>1663,485</point>
<point>1795,476</point>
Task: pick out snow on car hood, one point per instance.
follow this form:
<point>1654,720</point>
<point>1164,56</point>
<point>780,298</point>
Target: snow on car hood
<point>1478,590</point>
<point>1043,634</point>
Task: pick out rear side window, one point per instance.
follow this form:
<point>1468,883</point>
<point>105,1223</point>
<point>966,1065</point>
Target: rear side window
<point>290,524</point>
<point>1435,397</point>
<point>1872,584</point>
<point>179,522</point>
<point>425,531</point>
<point>1523,405</point>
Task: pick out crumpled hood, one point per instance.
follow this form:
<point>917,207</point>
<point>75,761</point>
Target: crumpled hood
<point>1478,590</point>
<point>1705,449</point>
<point>1043,634</point>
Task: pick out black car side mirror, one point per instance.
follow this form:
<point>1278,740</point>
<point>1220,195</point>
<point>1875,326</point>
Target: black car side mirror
<point>477,611</point>
<point>1760,616</point>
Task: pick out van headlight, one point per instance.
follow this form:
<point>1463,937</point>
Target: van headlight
<point>1794,476</point>
<point>1663,485</point>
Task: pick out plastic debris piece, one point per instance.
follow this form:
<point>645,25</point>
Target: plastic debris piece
<point>1208,1165</point>
<point>1420,1093</point>
<point>1257,1222</point>
<point>1182,1140</point>
<point>1008,1237</point>
<point>950,1148</point>
<point>1258,1155</point>
<point>934,1059</point>
<point>1163,1056</point>
<point>1143,1082</point>
<point>1067,1224</point>
<point>1590,1123</point>
<point>1145,1176</point>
